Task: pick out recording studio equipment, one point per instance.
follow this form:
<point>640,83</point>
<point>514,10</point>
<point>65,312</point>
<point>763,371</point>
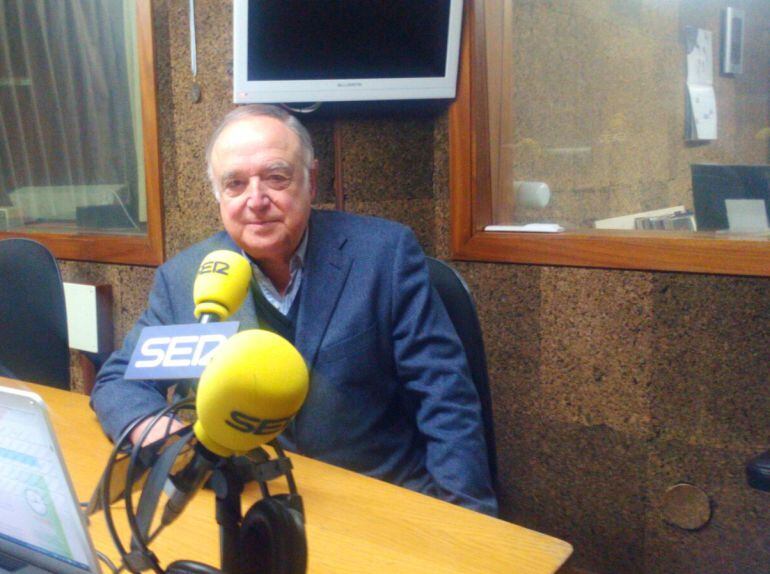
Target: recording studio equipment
<point>257,381</point>
<point>182,351</point>
<point>250,390</point>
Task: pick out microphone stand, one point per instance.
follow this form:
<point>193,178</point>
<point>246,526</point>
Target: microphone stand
<point>228,487</point>
<point>228,480</point>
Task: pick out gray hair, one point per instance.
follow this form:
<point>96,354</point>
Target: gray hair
<point>256,111</point>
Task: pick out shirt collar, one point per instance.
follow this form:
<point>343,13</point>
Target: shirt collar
<point>297,260</point>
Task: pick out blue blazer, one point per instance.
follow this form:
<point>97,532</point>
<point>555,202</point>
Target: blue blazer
<point>390,395</point>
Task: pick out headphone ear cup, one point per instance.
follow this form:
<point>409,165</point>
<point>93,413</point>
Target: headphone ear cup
<point>272,539</point>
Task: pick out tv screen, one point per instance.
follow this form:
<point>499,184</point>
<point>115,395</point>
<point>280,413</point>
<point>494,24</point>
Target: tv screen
<point>345,50</point>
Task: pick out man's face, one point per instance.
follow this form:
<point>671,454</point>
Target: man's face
<point>264,189</point>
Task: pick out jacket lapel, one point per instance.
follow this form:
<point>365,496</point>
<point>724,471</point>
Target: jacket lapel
<point>324,276</point>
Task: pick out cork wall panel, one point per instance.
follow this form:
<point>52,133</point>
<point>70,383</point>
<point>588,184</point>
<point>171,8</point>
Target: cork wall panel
<point>584,484</point>
<point>441,201</point>
<point>387,158</point>
<point>595,350</point>
<point>711,359</point>
<point>609,387</point>
<point>191,212</point>
<point>508,304</point>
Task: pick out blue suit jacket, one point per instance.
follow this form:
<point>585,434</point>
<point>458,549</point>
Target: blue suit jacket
<point>390,395</point>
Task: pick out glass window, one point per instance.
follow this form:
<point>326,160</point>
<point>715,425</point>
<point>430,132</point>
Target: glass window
<point>636,131</point>
<point>619,115</point>
<point>72,135</point>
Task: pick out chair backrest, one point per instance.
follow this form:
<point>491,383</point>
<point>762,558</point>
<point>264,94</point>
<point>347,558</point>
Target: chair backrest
<point>33,318</point>
<point>459,304</point>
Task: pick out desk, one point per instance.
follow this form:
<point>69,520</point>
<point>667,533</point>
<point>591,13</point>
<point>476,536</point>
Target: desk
<point>354,523</point>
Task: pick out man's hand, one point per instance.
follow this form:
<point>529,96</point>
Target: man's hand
<point>162,428</point>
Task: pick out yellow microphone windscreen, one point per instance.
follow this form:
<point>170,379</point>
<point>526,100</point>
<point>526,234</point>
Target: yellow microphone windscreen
<point>221,284</point>
<point>253,386</point>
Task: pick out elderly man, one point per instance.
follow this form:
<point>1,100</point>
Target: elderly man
<point>390,395</point>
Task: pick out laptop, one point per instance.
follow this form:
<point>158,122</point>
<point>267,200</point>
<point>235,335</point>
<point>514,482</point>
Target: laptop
<point>42,528</point>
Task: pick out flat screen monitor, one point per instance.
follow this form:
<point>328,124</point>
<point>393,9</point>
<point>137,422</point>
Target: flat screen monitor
<point>341,50</point>
<point>713,184</point>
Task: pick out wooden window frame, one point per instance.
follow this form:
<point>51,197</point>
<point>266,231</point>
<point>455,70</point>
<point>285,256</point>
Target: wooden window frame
<point>125,249</point>
<point>471,205</point>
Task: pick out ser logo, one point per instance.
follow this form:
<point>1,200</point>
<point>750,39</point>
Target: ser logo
<point>254,425</point>
<point>179,351</point>
<point>220,267</point>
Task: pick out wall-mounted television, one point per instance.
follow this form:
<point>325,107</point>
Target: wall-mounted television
<point>345,50</point>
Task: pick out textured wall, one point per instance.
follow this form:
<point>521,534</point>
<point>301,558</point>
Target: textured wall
<point>608,386</point>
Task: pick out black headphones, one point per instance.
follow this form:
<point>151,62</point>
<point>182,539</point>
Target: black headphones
<point>268,539</point>
<point>271,540</point>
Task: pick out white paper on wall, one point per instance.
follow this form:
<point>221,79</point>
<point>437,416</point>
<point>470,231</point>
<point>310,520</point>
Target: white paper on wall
<point>701,117</point>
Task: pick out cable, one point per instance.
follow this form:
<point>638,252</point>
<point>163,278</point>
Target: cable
<point>110,564</point>
<point>122,446</point>
<point>140,557</point>
<point>165,415</point>
<point>105,489</point>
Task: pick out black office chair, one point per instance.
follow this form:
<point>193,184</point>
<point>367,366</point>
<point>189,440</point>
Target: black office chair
<point>459,304</point>
<point>33,320</point>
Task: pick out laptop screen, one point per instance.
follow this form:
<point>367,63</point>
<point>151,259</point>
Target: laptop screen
<point>40,519</point>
